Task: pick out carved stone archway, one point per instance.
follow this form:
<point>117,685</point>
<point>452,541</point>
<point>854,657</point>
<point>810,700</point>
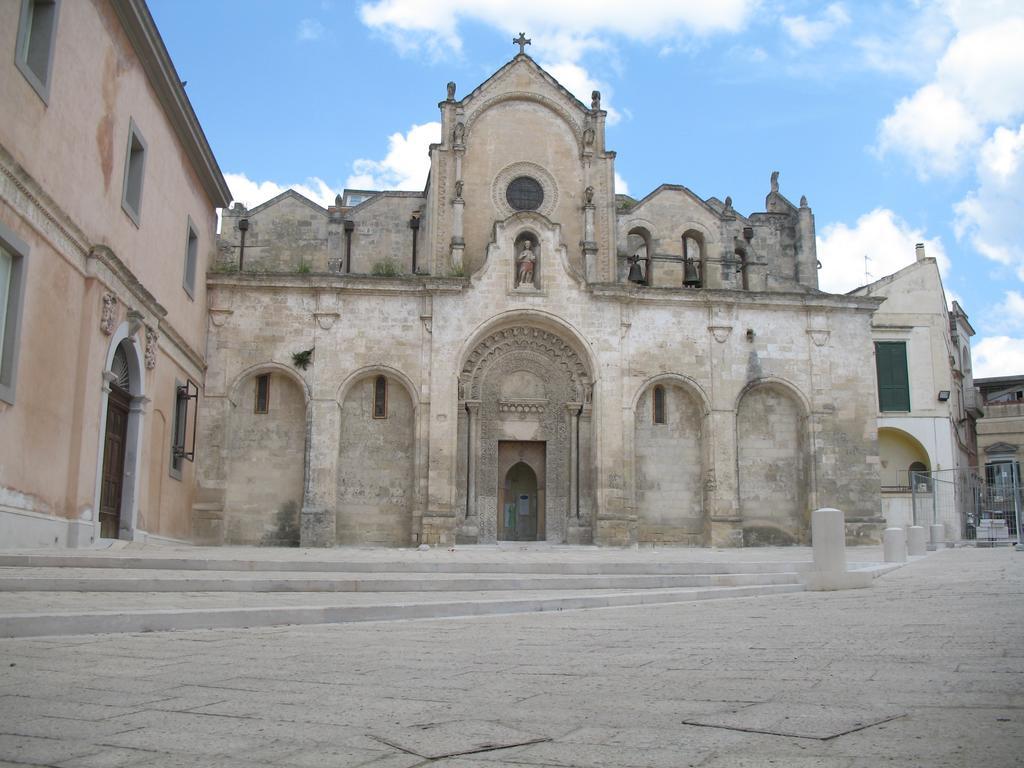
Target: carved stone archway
<point>524,384</point>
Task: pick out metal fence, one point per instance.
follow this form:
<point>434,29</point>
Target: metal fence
<point>970,509</point>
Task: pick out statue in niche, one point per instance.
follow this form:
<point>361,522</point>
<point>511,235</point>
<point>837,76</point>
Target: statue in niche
<point>458,189</point>
<point>588,138</point>
<point>459,133</point>
<point>595,100</point>
<point>525,264</point>
<point>451,90</point>
<point>588,196</point>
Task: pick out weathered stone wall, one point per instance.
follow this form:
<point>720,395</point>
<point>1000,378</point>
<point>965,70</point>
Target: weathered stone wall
<point>286,234</point>
<point>376,471</point>
<point>382,237</point>
<point>772,455</point>
<point>669,472</point>
<point>266,455</point>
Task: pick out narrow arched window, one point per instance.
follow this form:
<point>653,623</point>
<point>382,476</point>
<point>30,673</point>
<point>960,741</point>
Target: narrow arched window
<point>380,398</point>
<point>659,404</point>
<point>262,400</point>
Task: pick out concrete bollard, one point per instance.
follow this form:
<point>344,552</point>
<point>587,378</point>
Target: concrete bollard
<point>894,544</point>
<point>937,536</point>
<point>828,539</point>
<point>916,545</point>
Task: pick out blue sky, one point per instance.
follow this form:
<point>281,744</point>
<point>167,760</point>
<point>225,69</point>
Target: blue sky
<point>901,121</point>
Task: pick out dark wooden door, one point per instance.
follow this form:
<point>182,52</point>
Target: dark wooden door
<point>112,479</point>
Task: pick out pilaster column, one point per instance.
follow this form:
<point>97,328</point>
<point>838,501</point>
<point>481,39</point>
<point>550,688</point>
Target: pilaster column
<point>574,454</point>
<point>589,243</point>
<point>473,454</point>
<point>323,433</point>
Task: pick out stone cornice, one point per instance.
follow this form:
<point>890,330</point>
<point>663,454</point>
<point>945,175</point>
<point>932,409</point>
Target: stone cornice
<point>332,281</point>
<point>768,300</point>
<point>156,62</point>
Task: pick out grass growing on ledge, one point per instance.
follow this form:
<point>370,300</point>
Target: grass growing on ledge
<point>385,268</point>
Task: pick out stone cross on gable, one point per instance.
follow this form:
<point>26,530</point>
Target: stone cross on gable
<point>522,41</point>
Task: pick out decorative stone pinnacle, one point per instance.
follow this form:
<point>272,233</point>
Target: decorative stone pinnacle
<point>522,42</point>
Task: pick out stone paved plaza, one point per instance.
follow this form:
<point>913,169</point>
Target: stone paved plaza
<point>924,669</point>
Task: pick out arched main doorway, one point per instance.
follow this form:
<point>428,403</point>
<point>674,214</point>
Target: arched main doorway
<point>525,396</point>
<point>115,441</point>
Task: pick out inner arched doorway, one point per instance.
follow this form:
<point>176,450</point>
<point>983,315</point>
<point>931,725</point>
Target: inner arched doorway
<point>521,507</point>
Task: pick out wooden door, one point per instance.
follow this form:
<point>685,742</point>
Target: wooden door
<point>112,479</point>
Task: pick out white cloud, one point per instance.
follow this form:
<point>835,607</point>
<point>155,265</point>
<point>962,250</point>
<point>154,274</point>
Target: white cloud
<point>989,216</point>
<point>415,25</point>
<point>562,32</point>
<point>406,164</point>
<point>581,84</point>
<point>808,33</point>
<point>883,237</point>
<point>1010,312</point>
<point>977,84</point>
<point>310,29</point>
<point>252,193</point>
<point>621,187</point>
<point>933,129</point>
<point>998,356</point>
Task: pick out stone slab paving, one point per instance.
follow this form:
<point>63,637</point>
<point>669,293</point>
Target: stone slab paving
<point>924,669</point>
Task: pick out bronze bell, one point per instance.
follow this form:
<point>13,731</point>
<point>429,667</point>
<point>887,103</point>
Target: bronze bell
<point>636,274</point>
<point>691,278</point>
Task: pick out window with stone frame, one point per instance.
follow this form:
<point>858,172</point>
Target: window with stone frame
<point>134,173</point>
<point>893,380</point>
<point>658,405</point>
<point>13,262</point>
<point>524,194</point>
<point>191,258</point>
<point>380,397</point>
<point>261,402</point>
<point>37,32</point>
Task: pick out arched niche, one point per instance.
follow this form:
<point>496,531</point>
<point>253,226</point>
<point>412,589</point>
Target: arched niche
<point>376,461</point>
<point>694,258</point>
<point>773,465</point>
<point>669,463</point>
<point>898,451</point>
<point>265,458</point>
<point>640,250</point>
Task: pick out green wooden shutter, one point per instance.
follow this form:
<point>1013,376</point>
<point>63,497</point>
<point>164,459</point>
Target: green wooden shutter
<point>893,381</point>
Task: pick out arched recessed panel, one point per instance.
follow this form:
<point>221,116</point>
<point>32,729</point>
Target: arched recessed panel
<point>773,477</point>
<point>265,469</point>
<point>669,466</point>
<point>376,464</point>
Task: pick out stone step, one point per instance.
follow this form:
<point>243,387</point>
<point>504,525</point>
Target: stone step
<point>142,620</point>
<point>119,580</point>
<point>408,564</point>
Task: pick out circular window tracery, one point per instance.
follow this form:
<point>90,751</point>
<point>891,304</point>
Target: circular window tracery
<point>524,194</point>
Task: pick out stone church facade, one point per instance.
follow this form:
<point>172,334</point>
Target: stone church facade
<point>518,353</point>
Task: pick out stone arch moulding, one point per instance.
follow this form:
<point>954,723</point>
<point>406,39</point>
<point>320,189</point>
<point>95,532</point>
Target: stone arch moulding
<point>376,370</point>
<point>678,379</point>
<point>528,328</point>
<point>133,443</point>
<point>787,386</point>
<point>513,171</point>
<point>544,101</point>
<point>267,367</point>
